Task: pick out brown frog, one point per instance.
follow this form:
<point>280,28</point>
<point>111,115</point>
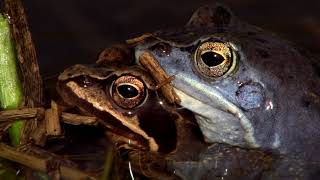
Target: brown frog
<point>121,96</point>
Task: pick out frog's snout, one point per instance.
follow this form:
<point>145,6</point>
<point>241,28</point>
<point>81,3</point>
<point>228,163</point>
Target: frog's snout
<point>250,95</point>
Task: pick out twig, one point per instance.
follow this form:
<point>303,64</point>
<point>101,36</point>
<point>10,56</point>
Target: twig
<point>139,39</point>
<point>40,164</point>
<point>39,135</point>
<point>31,113</point>
<point>25,113</point>
<point>108,166</point>
<point>52,120</point>
<point>76,119</point>
<point>149,62</point>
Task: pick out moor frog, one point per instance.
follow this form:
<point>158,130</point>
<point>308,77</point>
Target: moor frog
<point>121,96</point>
<point>246,88</point>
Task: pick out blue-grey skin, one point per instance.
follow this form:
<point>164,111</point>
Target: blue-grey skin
<point>271,101</point>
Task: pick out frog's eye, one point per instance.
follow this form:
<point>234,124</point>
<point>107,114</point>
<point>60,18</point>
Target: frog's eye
<point>128,91</point>
<point>214,59</point>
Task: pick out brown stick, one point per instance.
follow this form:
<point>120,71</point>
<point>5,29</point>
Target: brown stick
<point>39,135</point>
<point>148,61</point>
<point>24,113</point>
<point>52,120</point>
<point>76,119</point>
<point>31,113</point>
<point>40,164</point>
<point>139,39</point>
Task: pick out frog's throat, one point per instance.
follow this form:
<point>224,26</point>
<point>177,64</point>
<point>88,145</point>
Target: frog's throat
<point>202,112</point>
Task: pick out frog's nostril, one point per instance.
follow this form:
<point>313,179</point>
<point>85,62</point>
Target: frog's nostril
<point>161,49</point>
<point>85,81</point>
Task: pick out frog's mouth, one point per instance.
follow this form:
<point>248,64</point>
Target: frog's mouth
<point>222,122</point>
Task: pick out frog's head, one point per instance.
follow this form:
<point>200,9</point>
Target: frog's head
<point>125,101</point>
<point>246,87</point>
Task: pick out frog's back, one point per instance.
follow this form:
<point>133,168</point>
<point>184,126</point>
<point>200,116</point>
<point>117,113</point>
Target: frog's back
<point>293,77</point>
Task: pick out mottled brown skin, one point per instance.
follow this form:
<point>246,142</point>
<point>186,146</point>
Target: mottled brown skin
<point>89,88</point>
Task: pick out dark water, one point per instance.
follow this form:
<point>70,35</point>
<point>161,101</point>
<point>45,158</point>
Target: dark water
<point>75,31</point>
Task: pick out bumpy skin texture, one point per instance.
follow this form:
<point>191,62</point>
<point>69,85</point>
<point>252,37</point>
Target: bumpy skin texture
<point>283,113</point>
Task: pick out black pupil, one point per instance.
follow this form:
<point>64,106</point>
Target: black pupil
<point>212,59</point>
<point>127,91</point>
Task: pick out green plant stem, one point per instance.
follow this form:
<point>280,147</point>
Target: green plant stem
<point>11,95</point>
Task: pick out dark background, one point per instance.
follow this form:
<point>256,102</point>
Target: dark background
<point>75,31</point>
